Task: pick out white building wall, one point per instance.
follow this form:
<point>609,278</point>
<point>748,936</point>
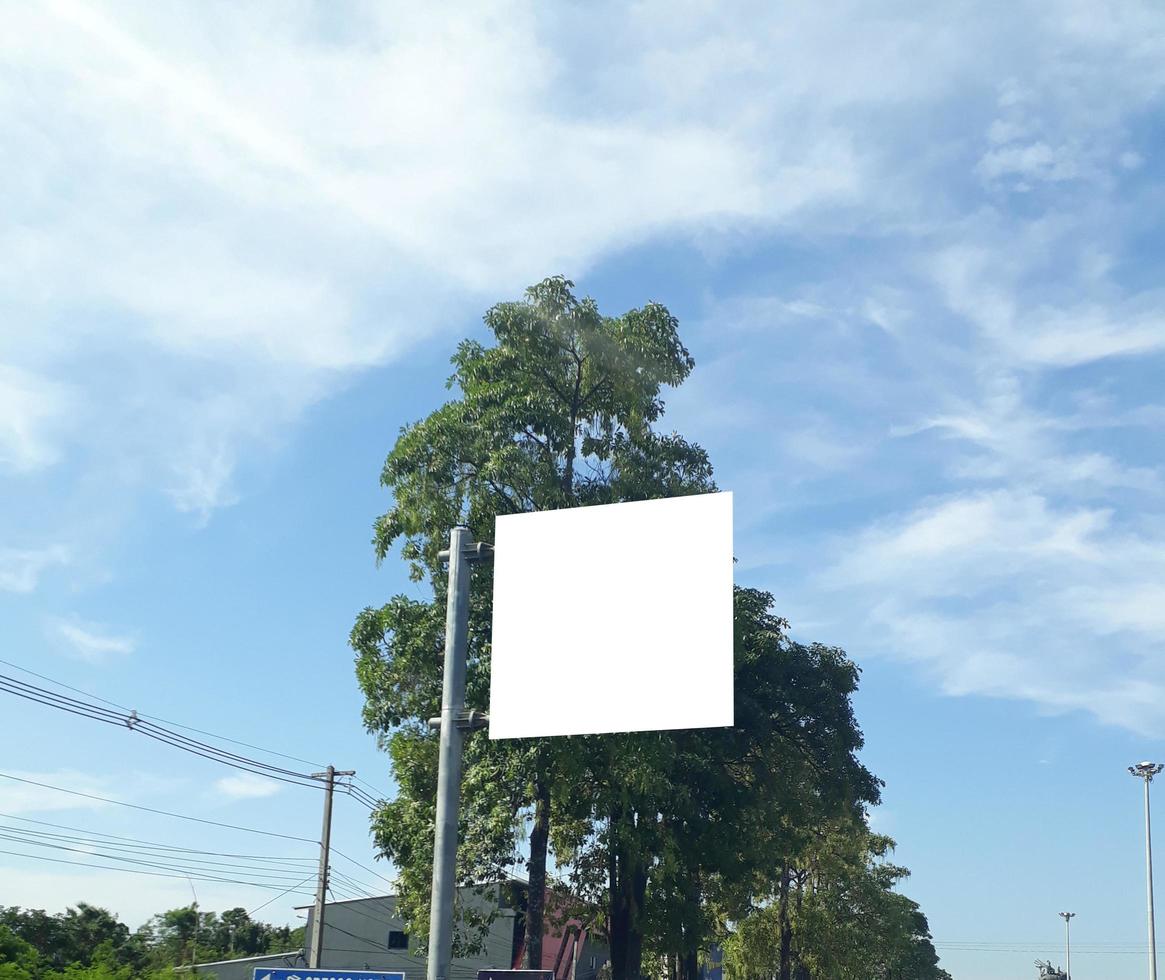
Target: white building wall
<point>356,938</point>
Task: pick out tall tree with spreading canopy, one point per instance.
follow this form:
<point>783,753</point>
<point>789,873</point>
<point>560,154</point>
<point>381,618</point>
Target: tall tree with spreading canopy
<point>559,412</point>
<point>670,835</point>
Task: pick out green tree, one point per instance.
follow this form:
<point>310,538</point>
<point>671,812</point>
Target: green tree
<point>173,935</point>
<point>19,959</point>
<point>665,836</point>
<point>43,932</point>
<point>838,916</point>
<point>690,826</point>
<point>72,937</point>
<point>89,943</point>
<point>557,413</point>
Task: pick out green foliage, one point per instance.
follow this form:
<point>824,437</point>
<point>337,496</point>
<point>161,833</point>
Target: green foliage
<point>836,915</point>
<point>557,413</point>
<point>698,821</point>
<point>89,943</point>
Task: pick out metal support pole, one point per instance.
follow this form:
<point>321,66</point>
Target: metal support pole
<point>1146,771</point>
<point>453,723</point>
<point>1067,917</point>
<point>1149,884</point>
<point>316,949</point>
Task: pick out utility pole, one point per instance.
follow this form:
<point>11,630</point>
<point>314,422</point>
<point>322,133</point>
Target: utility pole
<point>315,952</point>
<point>1146,771</point>
<point>463,553</point>
<point>197,922</point>
<point>1067,917</point>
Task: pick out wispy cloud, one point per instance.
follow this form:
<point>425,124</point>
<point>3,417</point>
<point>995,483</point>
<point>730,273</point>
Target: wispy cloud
<point>32,407</point>
<point>21,569</point>
<point>246,787</point>
<point>91,642</point>
<point>932,354</point>
<point>1008,594</point>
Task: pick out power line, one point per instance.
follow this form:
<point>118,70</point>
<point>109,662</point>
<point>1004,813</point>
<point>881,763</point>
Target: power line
<point>1142,947</point>
<point>208,874</point>
<point>376,947</point>
<point>361,797</point>
<point>370,891</point>
<point>336,850</point>
<point>164,853</point>
<point>380,794</point>
<point>281,894</point>
<point>133,840</point>
<point>152,874</point>
<point>143,718</point>
<point>176,724</point>
<point>134,722</point>
<point>164,813</point>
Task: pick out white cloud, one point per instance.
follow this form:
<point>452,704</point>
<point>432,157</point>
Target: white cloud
<point>257,204</point>
<point>21,568</point>
<point>219,217</point>
<point>1005,593</point>
<point>91,642</point>
<point>31,407</point>
<point>953,545</point>
<point>1036,161</point>
<point>819,445</point>
<point>246,787</point>
<point>206,206</point>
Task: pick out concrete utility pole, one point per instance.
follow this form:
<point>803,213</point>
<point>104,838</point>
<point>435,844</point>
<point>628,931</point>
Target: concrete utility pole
<point>1146,771</point>
<point>463,553</point>
<point>316,950</point>
<point>1067,917</point>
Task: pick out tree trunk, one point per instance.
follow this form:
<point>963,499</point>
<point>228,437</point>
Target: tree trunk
<point>627,884</point>
<point>616,914</point>
<point>800,970</point>
<point>786,962</point>
<point>536,902</point>
<point>689,934</point>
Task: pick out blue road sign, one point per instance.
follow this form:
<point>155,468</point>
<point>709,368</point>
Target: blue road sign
<point>263,973</point>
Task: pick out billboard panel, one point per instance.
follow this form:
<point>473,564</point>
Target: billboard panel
<point>613,618</point>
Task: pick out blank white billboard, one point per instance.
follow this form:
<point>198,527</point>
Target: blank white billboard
<point>615,618</point>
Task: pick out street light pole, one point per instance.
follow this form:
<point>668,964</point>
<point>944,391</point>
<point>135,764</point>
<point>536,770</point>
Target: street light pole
<point>1067,917</point>
<point>454,722</point>
<point>1146,771</point>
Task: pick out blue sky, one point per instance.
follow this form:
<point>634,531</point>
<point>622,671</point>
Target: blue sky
<point>915,252</point>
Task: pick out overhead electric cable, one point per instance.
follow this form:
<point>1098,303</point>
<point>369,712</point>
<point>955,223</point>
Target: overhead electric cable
<point>128,860</point>
<point>370,891</point>
<point>136,723</point>
<point>164,813</point>
<point>171,847</point>
<point>189,728</point>
<point>280,895</point>
<point>336,850</point>
<point>145,724</point>
<point>182,857</point>
<point>152,874</point>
